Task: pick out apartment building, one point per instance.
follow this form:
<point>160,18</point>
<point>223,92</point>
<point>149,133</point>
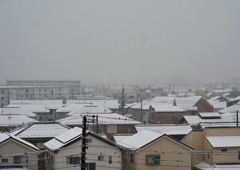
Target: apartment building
<point>39,90</point>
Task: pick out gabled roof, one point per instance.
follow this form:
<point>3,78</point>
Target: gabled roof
<point>110,104</point>
<point>167,108</point>
<point>231,109</point>
<point>144,138</point>
<point>169,129</point>
<point>6,136</point>
<point>16,111</point>
<point>47,104</point>
<point>224,141</point>
<point>40,130</point>
<point>90,109</point>
<point>31,108</point>
<point>103,118</point>
<point>71,136</point>
<point>14,120</point>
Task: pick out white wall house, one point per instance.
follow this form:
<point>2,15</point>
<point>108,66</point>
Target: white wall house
<point>66,152</point>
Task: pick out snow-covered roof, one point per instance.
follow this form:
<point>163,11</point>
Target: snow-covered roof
<point>167,108</point>
<point>31,108</point>
<point>47,104</point>
<point>231,109</point>
<point>40,130</point>
<point>120,137</point>
<point>205,166</point>
<point>224,141</point>
<point>16,111</point>
<point>103,118</point>
<point>71,107</point>
<point>64,138</point>
<point>72,135</point>
<point>139,139</point>
<point>90,109</point>
<point>15,120</point>
<point>193,120</point>
<point>219,105</point>
<point>6,136</point>
<point>110,104</point>
<point>210,114</point>
<point>186,103</point>
<point>214,98</point>
<point>169,129</point>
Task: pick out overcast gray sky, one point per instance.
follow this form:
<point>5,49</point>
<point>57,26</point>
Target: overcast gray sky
<point>120,41</point>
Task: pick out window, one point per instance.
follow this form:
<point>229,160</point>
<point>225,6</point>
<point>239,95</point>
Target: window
<point>90,166</point>
<point>4,160</point>
<point>152,159</point>
<point>2,98</point>
<point>224,150</point>
<point>88,140</point>
<point>132,158</point>
<point>238,155</point>
<point>192,113</point>
<point>73,160</point>
<point>110,160</point>
<point>2,91</point>
<point>101,158</point>
<point>199,106</point>
<point>20,159</point>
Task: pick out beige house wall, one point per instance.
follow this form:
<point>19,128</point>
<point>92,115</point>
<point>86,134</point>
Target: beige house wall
<point>231,156</point>
<point>11,147</point>
<point>92,155</point>
<point>195,140</point>
<point>198,141</point>
<point>233,131</point>
<point>170,161</point>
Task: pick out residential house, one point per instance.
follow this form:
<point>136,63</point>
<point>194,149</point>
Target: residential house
<point>165,114</point>
<point>39,133</point>
<point>16,153</point>
<point>210,118</point>
<point>107,103</point>
<point>66,151</point>
<point>219,144</point>
<point>48,107</point>
<point>183,106</point>
<point>107,123</point>
<point>149,150</point>
<point>174,130</point>
<point>9,122</point>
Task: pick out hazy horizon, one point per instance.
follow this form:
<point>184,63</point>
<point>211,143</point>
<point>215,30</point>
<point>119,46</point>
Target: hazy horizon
<point>104,42</point>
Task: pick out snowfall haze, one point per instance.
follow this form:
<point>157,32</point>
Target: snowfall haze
<point>138,41</point>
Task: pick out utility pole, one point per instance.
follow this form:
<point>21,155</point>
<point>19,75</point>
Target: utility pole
<point>122,99</point>
<point>8,98</point>
<point>83,153</point>
<point>237,118</point>
<point>52,93</point>
<point>97,124</point>
<point>141,111</point>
